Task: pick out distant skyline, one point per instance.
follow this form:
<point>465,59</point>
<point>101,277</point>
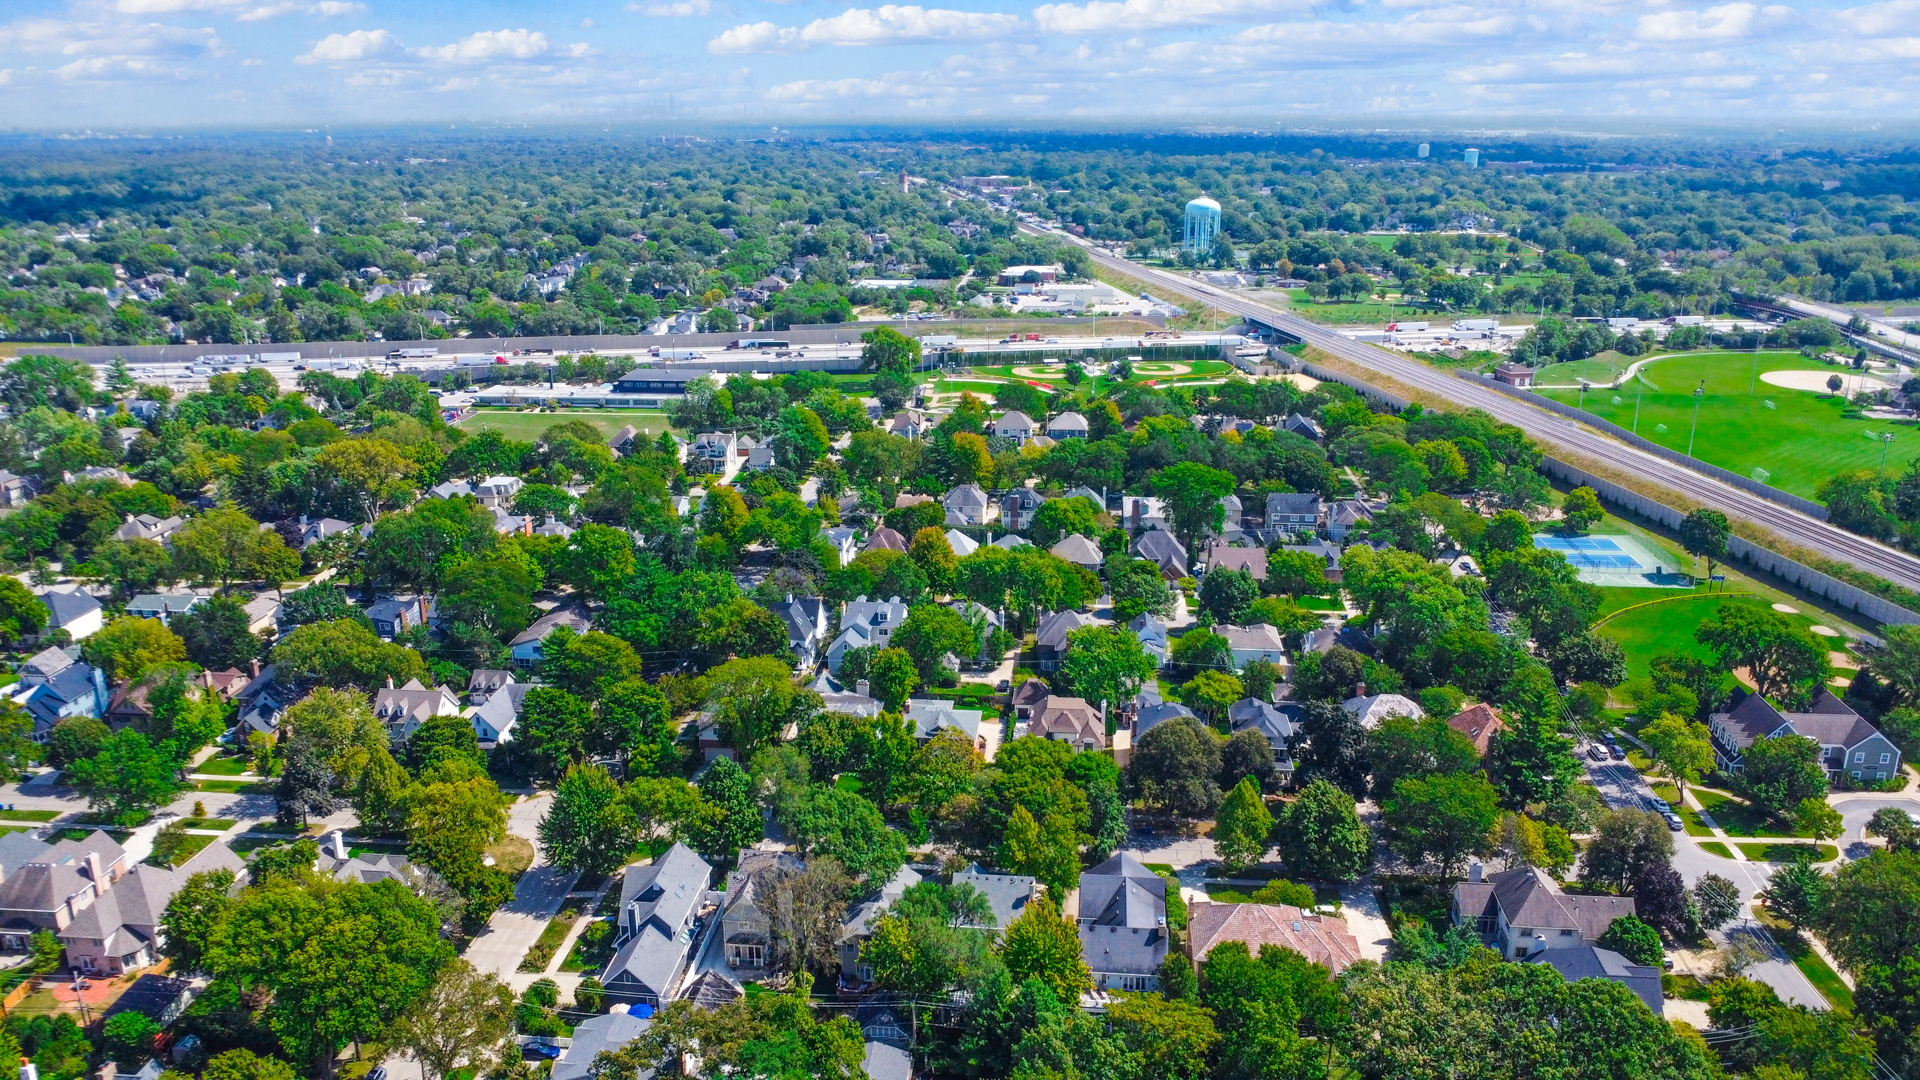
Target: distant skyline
<point>70,64</point>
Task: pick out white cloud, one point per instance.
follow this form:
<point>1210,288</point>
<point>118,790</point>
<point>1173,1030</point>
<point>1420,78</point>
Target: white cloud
<point>1719,82</point>
<point>352,45</point>
<point>889,24</point>
<point>244,10</point>
<point>1121,16</point>
<point>1874,20</point>
<point>490,45</point>
<point>1715,23</point>
<point>679,9</point>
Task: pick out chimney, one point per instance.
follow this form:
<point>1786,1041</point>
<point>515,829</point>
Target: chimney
<point>28,1071</point>
<point>1475,871</point>
<point>93,871</point>
<point>256,667</point>
<point>389,682</point>
<point>107,1071</point>
<point>423,610</point>
<point>862,687</point>
<point>1360,688</point>
<point>339,844</point>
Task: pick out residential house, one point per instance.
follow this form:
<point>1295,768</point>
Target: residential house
<point>19,848</point>
<point>1152,633</point>
<point>1011,541</point>
<point>403,709</point>
<point>1027,696</point>
<point>1304,426</point>
<point>1849,743</point>
<point>1070,720</point>
<point>1346,516</point>
<point>224,684</point>
<point>496,717</point>
<point>755,455</point>
<point>1050,637</point>
<point>1322,939</point>
<point>1014,425</point>
<point>909,424</point>
<point>262,702</point>
<point>337,861</point>
<point>1123,925</point>
<point>1479,723</point>
<point>1018,507</point>
<point>1152,713</point>
<point>121,930</point>
<point>1370,709</point>
<point>837,698</point>
<point>163,606</point>
<point>1139,512</point>
<point>621,442</point>
<point>1098,499</point>
<point>313,532</point>
<point>806,622</point>
<point>1293,511</point>
<point>1163,549</point>
<point>73,610</point>
<point>149,527</point>
<point>1593,962</point>
<point>1007,894</point>
<point>395,615</point>
<point>962,544</point>
<point>555,528</point>
<point>1519,376</point>
<point>887,1053</point>
<point>54,685</point>
<point>263,614</point>
<point>1079,551</point>
<point>747,906</point>
<point>1522,912</point>
<point>497,491</point>
<point>50,892</point>
<point>857,930</point>
<point>525,648</point>
<point>844,541</point>
<point>659,904</point>
<point>931,716</point>
<point>451,489</point>
<point>594,1036</point>
<point>986,620</point>
<point>1278,723</point>
<point>1231,515</point>
<point>1257,642</point>
<point>1251,559</point>
<point>885,539</point>
<point>967,505</point>
<point>1068,425</point>
<point>716,448</point>
<point>16,490</point>
<point>865,622</point>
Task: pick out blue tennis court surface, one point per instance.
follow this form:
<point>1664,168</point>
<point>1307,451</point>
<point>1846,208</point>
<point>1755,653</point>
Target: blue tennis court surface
<point>1590,552</point>
<point>1614,560</point>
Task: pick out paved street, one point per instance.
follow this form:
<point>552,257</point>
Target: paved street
<point>1623,786</point>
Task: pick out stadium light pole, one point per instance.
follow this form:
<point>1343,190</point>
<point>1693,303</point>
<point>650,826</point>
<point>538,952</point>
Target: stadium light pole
<point>1886,443</point>
<point>1639,391</point>
<point>1753,380</point>
<point>1698,392</point>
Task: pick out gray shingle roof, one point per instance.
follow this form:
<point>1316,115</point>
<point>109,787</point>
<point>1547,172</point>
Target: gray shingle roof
<point>1123,950</point>
<point>1122,892</point>
<point>608,1031</point>
<point>1592,962</point>
<point>65,607</point>
<point>1007,894</point>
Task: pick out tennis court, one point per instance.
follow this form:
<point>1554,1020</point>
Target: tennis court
<point>1617,561</point>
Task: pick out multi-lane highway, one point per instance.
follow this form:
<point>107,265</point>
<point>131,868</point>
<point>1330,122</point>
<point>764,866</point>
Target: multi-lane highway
<point>1546,427</point>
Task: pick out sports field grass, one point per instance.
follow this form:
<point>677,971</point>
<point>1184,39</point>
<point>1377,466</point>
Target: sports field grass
<point>1600,370</point>
<point>1799,442</point>
<point>527,427</point>
<point>1665,625</point>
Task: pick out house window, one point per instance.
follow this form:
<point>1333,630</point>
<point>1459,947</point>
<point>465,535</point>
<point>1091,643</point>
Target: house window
<point>1856,774</point>
<point>1136,984</point>
<point>1883,759</point>
<point>1519,952</point>
<point>750,955</point>
<point>1859,756</point>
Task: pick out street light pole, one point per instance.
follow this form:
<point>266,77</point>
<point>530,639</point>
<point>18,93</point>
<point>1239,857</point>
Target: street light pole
<point>1698,392</point>
<point>1886,443</point>
<point>1639,391</point>
<point>1753,380</point>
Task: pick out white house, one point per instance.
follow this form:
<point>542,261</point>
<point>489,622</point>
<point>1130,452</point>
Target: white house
<point>1014,425</point>
<point>845,542</point>
<point>526,646</point>
<point>497,490</point>
<point>1257,642</point>
<point>1068,425</point>
<point>865,622</point>
<point>968,505</point>
<point>1371,709</point>
<point>962,544</point>
<point>74,611</point>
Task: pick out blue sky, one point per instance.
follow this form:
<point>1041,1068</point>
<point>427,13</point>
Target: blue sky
<point>193,63</point>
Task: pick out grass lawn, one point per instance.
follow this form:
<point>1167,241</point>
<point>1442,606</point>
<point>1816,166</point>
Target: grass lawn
<point>5,829</point>
<point>512,855</point>
<point>245,844</point>
<point>528,426</point>
<point>1737,818</point>
<point>223,824</point>
<point>1809,962</point>
<point>1665,620</point>
<point>1319,603</point>
<point>1600,370</point>
<point>1715,847</point>
<point>223,766</point>
<point>549,940</point>
<point>1346,312</point>
<point>1786,852</point>
<point>234,787</point>
<point>192,846</point>
<point>1799,442</point>
<point>29,815</point>
<point>593,948</point>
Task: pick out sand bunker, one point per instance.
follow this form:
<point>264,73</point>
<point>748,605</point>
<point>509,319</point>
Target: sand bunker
<point>1786,609</point>
<point>1853,382</point>
<point>1824,631</point>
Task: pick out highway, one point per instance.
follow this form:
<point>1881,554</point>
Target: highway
<point>1547,428</point>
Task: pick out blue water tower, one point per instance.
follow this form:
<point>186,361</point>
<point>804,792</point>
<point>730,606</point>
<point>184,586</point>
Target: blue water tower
<point>1203,224</point>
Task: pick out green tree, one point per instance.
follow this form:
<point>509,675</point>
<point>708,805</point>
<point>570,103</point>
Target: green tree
<point>21,612</point>
<point>1704,534</point>
<point>1779,772</point>
<point>1717,900</point>
<point>224,545</point>
<point>1872,910</point>
<point>1404,746</point>
<point>1625,843</point>
<point>1174,767</point>
<point>1193,492</point>
<point>74,738</point>
<point>191,916</point>
<point>1041,945</point>
<point>128,779</point>
<point>1786,663</point>
<point>588,828</point>
<point>1243,831</point>
<point>931,633</point>
<point>126,647</point>
<point>1813,817</point>
<point>1048,850</point>
<point>1681,749</point>
<point>218,634</point>
<point>130,1035</point>
<point>553,728</point>
<point>1228,595</point>
<point>1059,518</point>
<point>245,1065</point>
<point>1211,694</point>
<point>1165,1038</point>
<point>345,653</point>
<point>755,699</point>
<point>831,823</point>
<point>1137,587</point>
<point>1582,510</point>
<point>460,1022</point>
<point>1445,818</point>
<point>887,351</point>
<point>1797,893</point>
<point>342,963</point>
<point>1887,1001</point>
<point>893,675</point>
<point>1633,939</point>
<point>733,816</point>
<point>1105,665</point>
<point>1320,835</point>
<point>1531,759</point>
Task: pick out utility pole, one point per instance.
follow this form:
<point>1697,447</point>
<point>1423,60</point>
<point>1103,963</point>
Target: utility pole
<point>1698,392</point>
<point>1639,390</point>
<point>1753,380</point>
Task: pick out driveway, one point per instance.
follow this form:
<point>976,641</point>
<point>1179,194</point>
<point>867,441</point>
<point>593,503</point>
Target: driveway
<point>1623,787</point>
<point>538,897</point>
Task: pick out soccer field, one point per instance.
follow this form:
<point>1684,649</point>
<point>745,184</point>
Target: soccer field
<point>527,427</point>
<point>1792,439</point>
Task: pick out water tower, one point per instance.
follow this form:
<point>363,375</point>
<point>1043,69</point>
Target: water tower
<point>1473,157</point>
<point>1203,224</point>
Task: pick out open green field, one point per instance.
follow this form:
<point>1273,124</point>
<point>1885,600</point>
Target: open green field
<point>1600,369</point>
<point>1665,624</point>
<point>1797,443</point>
<point>528,426</point>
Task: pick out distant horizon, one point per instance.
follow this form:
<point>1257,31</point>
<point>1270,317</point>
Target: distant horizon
<point>175,65</point>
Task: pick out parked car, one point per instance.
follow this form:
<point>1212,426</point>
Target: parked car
<point>1673,821</point>
<point>1596,753</point>
<point>1618,754</point>
<point>1661,804</point>
<point>1003,685</point>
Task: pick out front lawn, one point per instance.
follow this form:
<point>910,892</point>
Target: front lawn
<point>223,766</point>
<point>190,846</point>
<point>1787,852</point>
<point>1810,963</point>
<point>1715,847</point>
<point>30,815</point>
<point>1737,818</point>
<point>549,941</point>
<point>234,787</point>
<point>220,823</point>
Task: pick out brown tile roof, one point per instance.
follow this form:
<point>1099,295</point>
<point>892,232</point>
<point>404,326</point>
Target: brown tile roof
<point>1478,723</point>
<point>1322,939</point>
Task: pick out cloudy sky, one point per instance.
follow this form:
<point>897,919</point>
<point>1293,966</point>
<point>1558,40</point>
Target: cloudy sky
<point>156,63</point>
